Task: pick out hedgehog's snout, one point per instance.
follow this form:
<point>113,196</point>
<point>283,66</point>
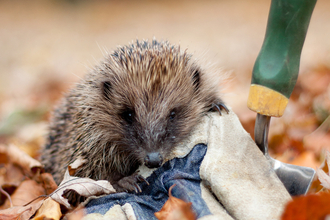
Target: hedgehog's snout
<point>153,160</point>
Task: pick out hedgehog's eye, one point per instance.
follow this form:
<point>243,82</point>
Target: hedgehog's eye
<point>172,114</point>
<point>128,116</point>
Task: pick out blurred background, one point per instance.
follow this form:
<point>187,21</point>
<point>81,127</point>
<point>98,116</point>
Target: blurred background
<point>46,46</point>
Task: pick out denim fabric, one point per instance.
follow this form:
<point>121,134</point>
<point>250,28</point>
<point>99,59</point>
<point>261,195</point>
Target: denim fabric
<point>184,172</point>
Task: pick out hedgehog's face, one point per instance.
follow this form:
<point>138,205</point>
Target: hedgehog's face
<point>151,117</point>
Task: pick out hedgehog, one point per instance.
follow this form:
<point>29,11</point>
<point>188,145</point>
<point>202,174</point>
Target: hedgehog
<point>132,109</point>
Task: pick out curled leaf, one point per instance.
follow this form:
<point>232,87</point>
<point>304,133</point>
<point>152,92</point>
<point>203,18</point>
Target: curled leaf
<point>20,212</point>
<point>19,157</point>
<point>49,209</point>
<point>175,209</point>
<point>14,213</point>
<point>48,183</point>
<point>83,186</point>
<point>75,165</point>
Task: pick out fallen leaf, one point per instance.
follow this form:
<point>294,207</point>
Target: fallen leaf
<point>48,182</point>
<point>3,157</point>
<point>327,159</point>
<point>20,212</point>
<point>27,191</point>
<point>75,165</point>
<point>316,184</point>
<point>11,174</point>
<point>19,157</point>
<point>322,176</point>
<point>6,191</point>
<point>49,209</point>
<point>83,186</point>
<point>14,212</point>
<point>309,207</point>
<point>175,209</point>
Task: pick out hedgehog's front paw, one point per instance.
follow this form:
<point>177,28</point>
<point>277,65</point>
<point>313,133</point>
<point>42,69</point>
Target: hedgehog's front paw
<point>218,107</point>
<point>130,183</point>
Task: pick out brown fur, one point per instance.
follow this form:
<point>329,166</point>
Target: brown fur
<point>150,81</point>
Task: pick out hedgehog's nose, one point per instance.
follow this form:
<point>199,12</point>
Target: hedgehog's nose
<point>153,160</point>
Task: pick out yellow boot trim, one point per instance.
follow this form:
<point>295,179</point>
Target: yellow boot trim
<point>266,101</point>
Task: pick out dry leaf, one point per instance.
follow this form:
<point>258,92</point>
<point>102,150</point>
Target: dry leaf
<point>20,212</point>
<point>49,209</point>
<point>310,207</point>
<point>11,173</point>
<point>327,159</point>
<point>175,209</point>
<point>27,191</point>
<point>48,182</point>
<point>322,176</point>
<point>75,165</point>
<point>6,190</point>
<point>83,186</point>
<point>21,158</point>
<point>14,212</point>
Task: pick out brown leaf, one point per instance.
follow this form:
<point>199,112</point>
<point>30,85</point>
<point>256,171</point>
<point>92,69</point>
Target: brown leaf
<point>310,207</point>
<point>83,186</point>
<point>3,157</point>
<point>175,209</point>
<point>49,209</point>
<point>316,185</point>
<point>6,191</point>
<point>21,158</point>
<point>12,174</point>
<point>14,212</point>
<point>20,212</point>
<point>327,159</point>
<point>48,182</point>
<point>10,178</point>
<point>75,165</point>
<point>26,192</point>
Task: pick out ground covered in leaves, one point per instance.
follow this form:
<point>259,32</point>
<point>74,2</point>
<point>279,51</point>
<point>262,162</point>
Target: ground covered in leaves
<point>47,46</point>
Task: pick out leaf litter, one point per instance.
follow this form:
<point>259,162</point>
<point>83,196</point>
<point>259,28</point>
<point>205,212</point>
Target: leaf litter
<point>300,137</point>
<point>83,186</point>
<point>27,199</point>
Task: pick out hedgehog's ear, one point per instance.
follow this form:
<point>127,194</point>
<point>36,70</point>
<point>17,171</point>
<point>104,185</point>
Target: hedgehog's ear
<point>196,77</point>
<point>106,89</point>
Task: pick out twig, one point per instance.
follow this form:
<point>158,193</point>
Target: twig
<point>7,195</point>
